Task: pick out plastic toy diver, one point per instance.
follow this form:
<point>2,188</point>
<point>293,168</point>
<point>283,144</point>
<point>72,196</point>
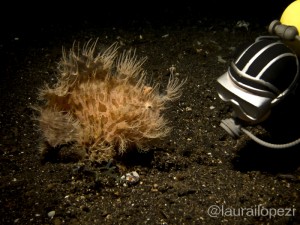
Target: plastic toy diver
<point>263,75</point>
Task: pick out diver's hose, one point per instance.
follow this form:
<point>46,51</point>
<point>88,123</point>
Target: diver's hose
<point>234,129</point>
<point>270,145</point>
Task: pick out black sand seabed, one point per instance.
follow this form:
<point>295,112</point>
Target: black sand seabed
<point>197,167</point>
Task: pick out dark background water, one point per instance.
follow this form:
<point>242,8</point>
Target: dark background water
<point>30,17</point>
<point>39,22</point>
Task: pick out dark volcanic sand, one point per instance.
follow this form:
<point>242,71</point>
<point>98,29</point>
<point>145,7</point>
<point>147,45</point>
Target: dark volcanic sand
<point>199,165</point>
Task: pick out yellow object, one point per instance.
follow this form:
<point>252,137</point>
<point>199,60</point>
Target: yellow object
<point>291,17</point>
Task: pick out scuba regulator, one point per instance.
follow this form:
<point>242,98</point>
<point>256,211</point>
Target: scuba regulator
<point>262,75</point>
